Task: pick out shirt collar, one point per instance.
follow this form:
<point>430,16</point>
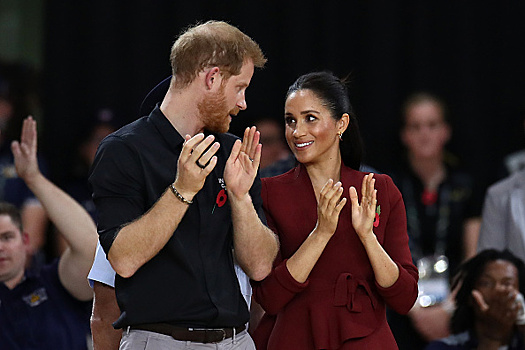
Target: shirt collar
<point>165,128</point>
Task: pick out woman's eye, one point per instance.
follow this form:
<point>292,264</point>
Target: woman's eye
<point>289,120</point>
<point>310,118</point>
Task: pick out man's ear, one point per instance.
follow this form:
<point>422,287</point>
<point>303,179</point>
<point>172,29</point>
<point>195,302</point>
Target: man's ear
<point>26,241</point>
<point>212,77</point>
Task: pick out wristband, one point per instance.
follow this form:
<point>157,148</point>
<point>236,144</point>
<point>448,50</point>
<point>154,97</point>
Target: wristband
<point>179,196</point>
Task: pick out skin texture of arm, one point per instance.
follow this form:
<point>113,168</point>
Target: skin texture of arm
<point>140,240</point>
<point>105,312</point>
<point>255,244</point>
<point>68,216</point>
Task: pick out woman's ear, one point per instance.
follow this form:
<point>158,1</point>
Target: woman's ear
<point>342,124</point>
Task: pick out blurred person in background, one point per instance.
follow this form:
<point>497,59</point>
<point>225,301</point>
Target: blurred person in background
<point>18,99</point>
<point>490,313</point>
<point>77,185</point>
<point>96,129</point>
<point>45,308</point>
<point>515,161</point>
<point>443,216</point>
<point>503,219</point>
<point>274,144</point>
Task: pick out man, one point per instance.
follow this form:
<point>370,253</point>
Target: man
<point>47,309</point>
<point>490,313</point>
<point>176,207</point>
<point>14,100</point>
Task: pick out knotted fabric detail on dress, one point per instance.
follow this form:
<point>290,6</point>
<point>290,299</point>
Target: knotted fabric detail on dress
<point>345,292</point>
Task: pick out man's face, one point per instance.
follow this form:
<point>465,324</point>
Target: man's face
<point>498,285</point>
<point>227,100</point>
<point>13,250</point>
<point>498,275</point>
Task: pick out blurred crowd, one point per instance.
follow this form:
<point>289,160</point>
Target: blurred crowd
<point>452,221</point>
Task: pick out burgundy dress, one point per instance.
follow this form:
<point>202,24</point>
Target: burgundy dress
<point>340,306</point>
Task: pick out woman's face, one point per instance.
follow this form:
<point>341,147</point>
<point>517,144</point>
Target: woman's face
<point>425,133</point>
<point>310,130</point>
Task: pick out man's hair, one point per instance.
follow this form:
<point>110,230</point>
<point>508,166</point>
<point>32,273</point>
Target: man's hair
<point>214,43</point>
<point>467,276</point>
<point>13,212</point>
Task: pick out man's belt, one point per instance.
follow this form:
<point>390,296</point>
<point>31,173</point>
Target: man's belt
<point>198,335</point>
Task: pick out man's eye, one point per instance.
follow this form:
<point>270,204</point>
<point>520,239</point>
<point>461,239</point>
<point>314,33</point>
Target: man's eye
<point>484,283</point>
<point>6,238</point>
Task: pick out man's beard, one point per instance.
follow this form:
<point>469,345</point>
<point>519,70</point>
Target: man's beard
<point>215,114</point>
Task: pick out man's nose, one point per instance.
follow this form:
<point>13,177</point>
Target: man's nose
<point>242,104</point>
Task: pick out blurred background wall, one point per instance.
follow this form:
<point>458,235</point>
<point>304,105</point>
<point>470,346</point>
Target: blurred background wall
<point>89,55</point>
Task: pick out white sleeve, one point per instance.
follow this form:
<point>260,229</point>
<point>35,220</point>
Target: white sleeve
<point>244,283</point>
<point>101,271</point>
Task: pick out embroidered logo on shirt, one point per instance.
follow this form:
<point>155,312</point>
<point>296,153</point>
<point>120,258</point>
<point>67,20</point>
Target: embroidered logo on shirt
<point>9,171</point>
<point>378,212</point>
<point>36,298</point>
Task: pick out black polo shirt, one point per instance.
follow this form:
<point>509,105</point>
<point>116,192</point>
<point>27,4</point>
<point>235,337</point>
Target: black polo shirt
<point>191,282</point>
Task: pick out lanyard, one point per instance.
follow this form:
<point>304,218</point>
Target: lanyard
<point>414,225</point>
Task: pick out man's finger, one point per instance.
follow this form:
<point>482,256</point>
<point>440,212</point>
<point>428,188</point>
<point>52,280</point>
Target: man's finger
<point>201,148</point>
<point>206,156</point>
<point>189,144</point>
<point>246,140</point>
<point>257,156</point>
<point>236,149</point>
<point>254,141</point>
<point>478,297</point>
<point>211,165</point>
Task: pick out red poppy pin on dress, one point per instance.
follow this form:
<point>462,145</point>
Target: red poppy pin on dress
<point>378,212</point>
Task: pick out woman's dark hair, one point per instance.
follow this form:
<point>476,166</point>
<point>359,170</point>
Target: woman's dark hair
<point>333,94</point>
<point>467,276</point>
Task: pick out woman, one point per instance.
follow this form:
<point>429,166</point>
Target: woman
<point>443,209</point>
<point>338,265</point>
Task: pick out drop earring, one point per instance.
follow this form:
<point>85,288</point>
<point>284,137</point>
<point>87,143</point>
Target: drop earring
<point>340,136</point>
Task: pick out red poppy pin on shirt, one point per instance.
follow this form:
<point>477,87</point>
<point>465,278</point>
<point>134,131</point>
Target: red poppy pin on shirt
<point>221,199</point>
<point>378,212</point>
